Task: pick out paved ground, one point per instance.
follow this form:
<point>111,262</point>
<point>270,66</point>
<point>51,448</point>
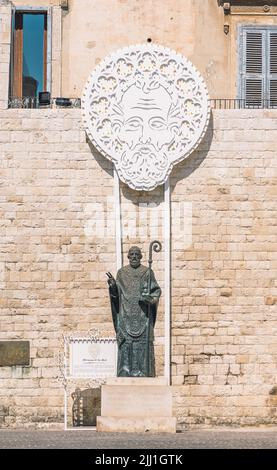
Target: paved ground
<point>88,439</point>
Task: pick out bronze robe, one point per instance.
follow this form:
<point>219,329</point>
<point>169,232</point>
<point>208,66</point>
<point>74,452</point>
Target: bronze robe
<point>134,321</point>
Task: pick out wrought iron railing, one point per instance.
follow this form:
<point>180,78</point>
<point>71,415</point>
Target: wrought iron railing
<point>35,103</point>
<point>217,103</point>
<point>225,103</point>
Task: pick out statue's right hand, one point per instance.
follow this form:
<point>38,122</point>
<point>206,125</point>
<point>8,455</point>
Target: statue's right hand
<point>111,280</point>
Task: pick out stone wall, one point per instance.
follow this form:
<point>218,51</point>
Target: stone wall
<point>224,285</point>
<point>54,253</point>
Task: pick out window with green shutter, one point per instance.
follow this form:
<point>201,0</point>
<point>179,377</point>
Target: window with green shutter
<point>258,66</point>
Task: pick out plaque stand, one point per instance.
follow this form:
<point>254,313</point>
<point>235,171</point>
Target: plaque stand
<point>82,365</point>
<point>136,404</point>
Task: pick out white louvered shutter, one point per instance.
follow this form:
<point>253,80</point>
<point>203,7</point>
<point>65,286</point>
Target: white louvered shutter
<point>272,82</point>
<point>254,67</point>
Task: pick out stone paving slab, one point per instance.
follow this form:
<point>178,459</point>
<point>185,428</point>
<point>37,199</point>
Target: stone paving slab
<point>89,439</point>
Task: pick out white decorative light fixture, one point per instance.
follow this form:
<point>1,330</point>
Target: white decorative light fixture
<point>145,108</point>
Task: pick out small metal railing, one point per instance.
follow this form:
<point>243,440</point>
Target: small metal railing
<point>217,103</point>
<point>31,102</point>
<point>225,103</point>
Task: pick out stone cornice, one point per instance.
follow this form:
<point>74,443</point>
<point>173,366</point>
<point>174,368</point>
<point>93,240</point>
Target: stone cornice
<point>251,7</point>
<point>249,3</point>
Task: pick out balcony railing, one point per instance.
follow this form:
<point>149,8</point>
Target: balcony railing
<point>217,103</point>
<point>225,103</point>
<point>34,103</point>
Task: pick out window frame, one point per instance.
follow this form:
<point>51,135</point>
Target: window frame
<point>33,9</point>
<point>241,91</point>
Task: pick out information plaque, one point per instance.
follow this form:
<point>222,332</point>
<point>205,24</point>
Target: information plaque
<point>93,358</point>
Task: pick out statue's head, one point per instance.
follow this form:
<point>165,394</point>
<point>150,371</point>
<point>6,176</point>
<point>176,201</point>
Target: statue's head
<point>134,256</point>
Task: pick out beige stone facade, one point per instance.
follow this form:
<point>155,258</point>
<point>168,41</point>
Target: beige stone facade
<point>223,294</point>
<point>57,235</point>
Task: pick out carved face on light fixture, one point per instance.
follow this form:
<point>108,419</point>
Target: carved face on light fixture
<point>145,108</point>
<point>145,126</point>
<point>146,117</point>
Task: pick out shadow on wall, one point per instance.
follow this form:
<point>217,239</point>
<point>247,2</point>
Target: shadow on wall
<point>185,168</point>
<point>180,171</point>
<point>86,406</point>
<point>272,401</point>
<point>103,162</point>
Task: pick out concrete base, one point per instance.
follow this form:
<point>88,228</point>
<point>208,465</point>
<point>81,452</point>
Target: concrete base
<point>131,404</point>
<point>152,425</point>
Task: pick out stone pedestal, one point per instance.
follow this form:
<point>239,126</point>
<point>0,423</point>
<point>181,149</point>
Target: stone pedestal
<point>130,404</point>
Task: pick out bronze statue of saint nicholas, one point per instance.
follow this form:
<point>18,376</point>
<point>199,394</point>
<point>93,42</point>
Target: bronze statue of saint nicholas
<point>134,300</point>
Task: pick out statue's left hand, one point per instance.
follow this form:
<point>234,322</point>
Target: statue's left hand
<point>147,298</point>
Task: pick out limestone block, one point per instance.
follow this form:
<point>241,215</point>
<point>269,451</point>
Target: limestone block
<point>152,425</point>
<point>136,401</point>
<point>136,405</point>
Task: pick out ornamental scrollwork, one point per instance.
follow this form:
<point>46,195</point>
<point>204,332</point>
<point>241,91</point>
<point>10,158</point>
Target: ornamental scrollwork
<point>145,108</point>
